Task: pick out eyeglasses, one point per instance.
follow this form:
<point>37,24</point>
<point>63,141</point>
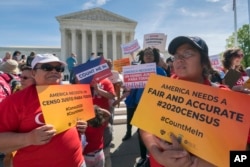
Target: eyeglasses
<point>185,55</point>
<point>48,67</point>
<point>240,55</point>
<point>149,54</point>
<point>24,77</point>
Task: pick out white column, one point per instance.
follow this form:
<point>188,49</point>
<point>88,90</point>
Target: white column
<point>132,34</point>
<point>123,41</point>
<point>104,43</point>
<point>84,46</point>
<point>73,38</point>
<point>114,45</point>
<point>94,41</point>
<point>123,37</point>
<point>63,44</point>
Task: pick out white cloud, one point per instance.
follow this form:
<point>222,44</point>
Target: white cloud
<point>94,3</point>
<point>213,0</point>
<point>186,12</point>
<point>228,7</point>
<point>164,4</point>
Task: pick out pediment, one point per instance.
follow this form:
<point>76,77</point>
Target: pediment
<point>95,14</point>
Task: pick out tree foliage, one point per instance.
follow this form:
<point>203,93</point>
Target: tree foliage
<point>243,39</point>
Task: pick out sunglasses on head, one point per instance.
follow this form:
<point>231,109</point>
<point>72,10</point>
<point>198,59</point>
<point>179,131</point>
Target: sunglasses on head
<point>48,67</point>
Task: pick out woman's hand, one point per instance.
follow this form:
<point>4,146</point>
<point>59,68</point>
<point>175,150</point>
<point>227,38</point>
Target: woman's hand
<point>81,126</point>
<point>173,155</point>
<point>41,135</point>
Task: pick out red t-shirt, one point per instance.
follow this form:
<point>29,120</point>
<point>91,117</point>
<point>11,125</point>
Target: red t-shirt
<point>101,101</point>
<point>21,113</point>
<point>94,137</point>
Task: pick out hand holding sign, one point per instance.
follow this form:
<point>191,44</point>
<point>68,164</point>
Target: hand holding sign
<point>81,126</point>
<point>166,153</point>
<point>41,135</point>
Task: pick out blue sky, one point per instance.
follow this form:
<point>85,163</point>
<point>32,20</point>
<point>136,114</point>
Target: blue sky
<point>33,22</point>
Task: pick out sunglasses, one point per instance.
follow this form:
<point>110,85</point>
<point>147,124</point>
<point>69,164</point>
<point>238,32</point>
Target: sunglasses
<point>24,77</point>
<point>48,67</point>
<point>240,55</point>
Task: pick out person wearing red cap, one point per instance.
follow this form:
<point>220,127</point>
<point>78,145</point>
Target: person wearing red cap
<point>191,63</point>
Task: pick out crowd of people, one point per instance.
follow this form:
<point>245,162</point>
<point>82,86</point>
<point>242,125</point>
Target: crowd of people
<point>24,141</point>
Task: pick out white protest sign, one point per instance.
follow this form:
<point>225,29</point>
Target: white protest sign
<point>155,40</point>
<point>130,47</point>
<point>136,76</point>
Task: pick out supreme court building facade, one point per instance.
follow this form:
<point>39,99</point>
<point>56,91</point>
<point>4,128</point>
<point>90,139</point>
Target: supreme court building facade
<point>94,30</point>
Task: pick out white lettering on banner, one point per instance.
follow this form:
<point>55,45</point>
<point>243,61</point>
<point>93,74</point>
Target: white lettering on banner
<point>92,71</point>
<point>138,70</point>
<point>130,48</point>
<point>104,66</point>
<point>133,85</point>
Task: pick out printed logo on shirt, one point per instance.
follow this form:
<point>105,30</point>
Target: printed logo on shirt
<point>39,119</point>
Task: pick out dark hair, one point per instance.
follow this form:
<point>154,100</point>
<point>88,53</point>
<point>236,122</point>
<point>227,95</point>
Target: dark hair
<point>215,76</point>
<point>155,52</point>
<point>98,119</point>
<point>25,67</point>
<point>16,52</point>
<point>23,56</point>
<point>32,53</point>
<point>170,59</point>
<point>228,56</point>
<point>205,61</point>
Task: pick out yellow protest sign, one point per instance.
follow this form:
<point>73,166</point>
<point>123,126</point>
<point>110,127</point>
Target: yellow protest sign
<point>63,105</point>
<point>207,120</point>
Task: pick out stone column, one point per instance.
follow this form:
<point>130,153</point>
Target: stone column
<point>114,45</point>
<point>132,34</point>
<point>94,41</point>
<point>104,43</point>
<point>73,38</point>
<point>84,46</point>
<point>123,37</point>
<point>63,44</point>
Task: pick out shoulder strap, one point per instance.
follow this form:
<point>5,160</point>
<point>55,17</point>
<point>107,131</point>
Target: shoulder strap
<point>6,79</point>
<point>11,80</point>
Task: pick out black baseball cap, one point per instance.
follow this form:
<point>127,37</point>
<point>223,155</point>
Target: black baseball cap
<point>195,41</point>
